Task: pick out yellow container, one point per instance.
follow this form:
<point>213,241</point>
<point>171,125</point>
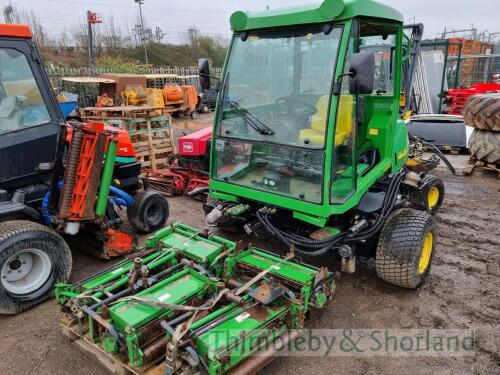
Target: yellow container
<point>155,97</point>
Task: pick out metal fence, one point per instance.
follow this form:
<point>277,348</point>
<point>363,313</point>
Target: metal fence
<point>475,68</point>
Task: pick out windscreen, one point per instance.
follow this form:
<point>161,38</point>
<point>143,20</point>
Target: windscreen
<point>277,86</point>
<point>274,111</point>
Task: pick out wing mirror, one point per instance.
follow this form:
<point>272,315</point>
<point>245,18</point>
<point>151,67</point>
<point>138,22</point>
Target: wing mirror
<point>204,71</point>
<point>361,73</point>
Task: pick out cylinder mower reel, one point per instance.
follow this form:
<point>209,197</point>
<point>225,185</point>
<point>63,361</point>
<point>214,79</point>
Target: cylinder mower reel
<point>167,309</point>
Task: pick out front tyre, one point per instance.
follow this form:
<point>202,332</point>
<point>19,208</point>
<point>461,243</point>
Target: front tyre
<point>149,212</point>
<point>406,247</point>
<point>32,259</point>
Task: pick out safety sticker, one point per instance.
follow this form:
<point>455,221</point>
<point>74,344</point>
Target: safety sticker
<point>242,317</point>
<point>163,297</point>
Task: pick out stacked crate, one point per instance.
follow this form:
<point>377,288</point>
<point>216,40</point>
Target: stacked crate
<point>150,130</point>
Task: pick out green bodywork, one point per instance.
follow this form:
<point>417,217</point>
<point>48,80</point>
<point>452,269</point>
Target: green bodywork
<point>382,127</point>
<point>106,179</point>
<point>228,333</point>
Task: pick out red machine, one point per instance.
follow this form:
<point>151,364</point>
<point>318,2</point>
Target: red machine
<point>187,172</point>
<point>125,147</point>
<point>456,98</point>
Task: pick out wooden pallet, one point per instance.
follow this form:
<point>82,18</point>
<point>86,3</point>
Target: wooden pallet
<point>124,112</point>
<point>117,365</point>
<point>481,165</point>
<point>153,142</point>
<point>152,137</point>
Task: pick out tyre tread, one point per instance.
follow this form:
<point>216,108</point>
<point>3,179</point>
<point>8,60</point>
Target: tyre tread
<point>399,245</point>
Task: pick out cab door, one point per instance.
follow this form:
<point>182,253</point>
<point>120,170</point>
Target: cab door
<point>30,118</point>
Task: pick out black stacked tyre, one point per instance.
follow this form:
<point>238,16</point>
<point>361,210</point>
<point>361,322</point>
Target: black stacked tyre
<point>485,146</point>
<point>482,112</point>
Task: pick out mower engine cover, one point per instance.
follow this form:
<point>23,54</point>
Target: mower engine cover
<point>195,144</point>
<point>125,147</point>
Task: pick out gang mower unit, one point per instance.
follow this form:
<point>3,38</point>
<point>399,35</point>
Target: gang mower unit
<point>192,303</point>
<point>58,177</point>
<point>309,145</point>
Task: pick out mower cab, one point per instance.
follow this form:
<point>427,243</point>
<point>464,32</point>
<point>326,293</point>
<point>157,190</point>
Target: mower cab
<point>30,118</point>
<point>308,142</point>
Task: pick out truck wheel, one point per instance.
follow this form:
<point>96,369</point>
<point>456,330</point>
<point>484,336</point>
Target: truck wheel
<point>149,211</point>
<point>32,259</point>
<point>406,248</point>
<point>431,198</point>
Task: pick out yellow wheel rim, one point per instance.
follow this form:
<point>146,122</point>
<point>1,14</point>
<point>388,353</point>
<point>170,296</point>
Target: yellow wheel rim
<point>433,197</point>
<point>425,255</point>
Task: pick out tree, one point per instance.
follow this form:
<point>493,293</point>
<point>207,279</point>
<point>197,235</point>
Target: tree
<point>15,14</point>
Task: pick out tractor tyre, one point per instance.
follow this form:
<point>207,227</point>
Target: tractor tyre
<point>485,146</point>
<point>483,112</point>
<point>431,197</point>
<point>33,258</point>
<point>406,248</point>
<point>149,212</point>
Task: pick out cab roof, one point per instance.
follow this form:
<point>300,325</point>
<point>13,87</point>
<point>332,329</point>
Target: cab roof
<point>15,30</point>
<point>327,11</point>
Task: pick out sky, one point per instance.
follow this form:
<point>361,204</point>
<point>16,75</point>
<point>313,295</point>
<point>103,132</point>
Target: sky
<point>211,17</point>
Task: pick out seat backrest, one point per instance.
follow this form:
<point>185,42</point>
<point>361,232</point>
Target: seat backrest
<point>318,120</point>
<point>345,117</point>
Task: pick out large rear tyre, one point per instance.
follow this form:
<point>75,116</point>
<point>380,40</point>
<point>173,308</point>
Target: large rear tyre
<point>406,248</point>
<point>32,259</point>
<point>149,212</point>
<point>482,111</point>
<point>485,146</point>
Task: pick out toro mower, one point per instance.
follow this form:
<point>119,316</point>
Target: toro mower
<point>309,146</point>
<point>187,172</point>
<point>58,177</point>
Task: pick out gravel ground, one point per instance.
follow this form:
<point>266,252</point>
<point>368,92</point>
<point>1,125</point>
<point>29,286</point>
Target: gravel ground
<point>462,291</point>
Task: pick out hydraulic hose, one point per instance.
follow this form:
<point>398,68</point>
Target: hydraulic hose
<point>307,247</point>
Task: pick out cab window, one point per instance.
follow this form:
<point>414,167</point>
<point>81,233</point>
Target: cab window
<point>21,103</point>
<point>381,40</point>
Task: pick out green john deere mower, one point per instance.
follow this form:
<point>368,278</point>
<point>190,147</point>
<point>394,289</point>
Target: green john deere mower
<point>309,145</point>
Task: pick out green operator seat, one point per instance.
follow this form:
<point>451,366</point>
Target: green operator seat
<point>316,133</point>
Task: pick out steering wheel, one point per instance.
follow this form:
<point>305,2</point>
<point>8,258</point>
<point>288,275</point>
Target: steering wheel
<point>296,106</point>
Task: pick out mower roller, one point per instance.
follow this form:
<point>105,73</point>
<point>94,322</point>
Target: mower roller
<point>309,146</point>
<point>193,302</point>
